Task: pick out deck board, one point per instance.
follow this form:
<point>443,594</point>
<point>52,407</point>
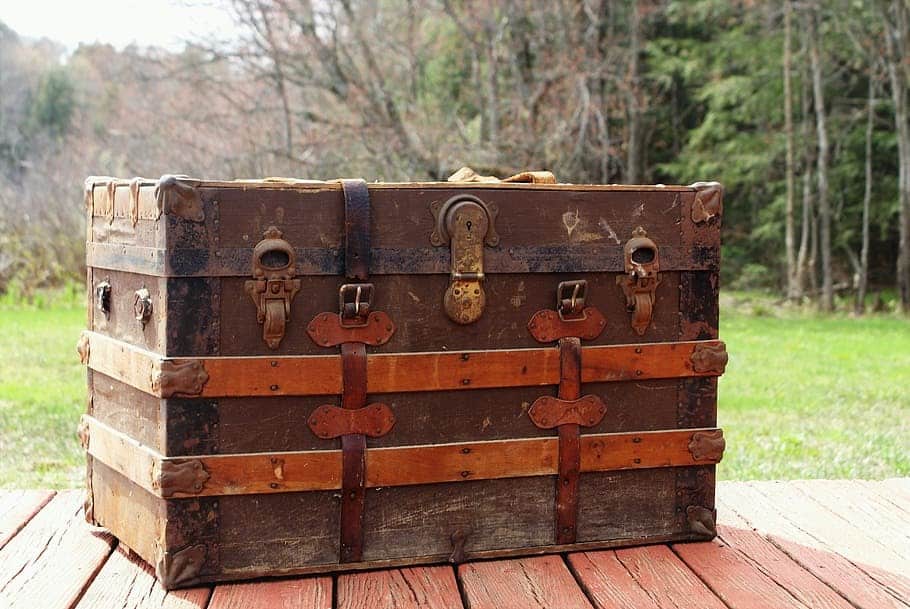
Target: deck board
<point>413,588</point>
<point>17,508</point>
<point>817,544</point>
<point>53,557</point>
<point>813,554</point>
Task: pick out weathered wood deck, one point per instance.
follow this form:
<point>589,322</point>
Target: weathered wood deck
<point>825,544</point>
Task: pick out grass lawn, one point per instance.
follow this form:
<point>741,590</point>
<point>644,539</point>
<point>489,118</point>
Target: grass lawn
<point>804,396</point>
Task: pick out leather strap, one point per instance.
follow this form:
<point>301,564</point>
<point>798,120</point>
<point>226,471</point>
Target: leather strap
<point>569,443</point>
<point>353,452</point>
<point>356,230</point>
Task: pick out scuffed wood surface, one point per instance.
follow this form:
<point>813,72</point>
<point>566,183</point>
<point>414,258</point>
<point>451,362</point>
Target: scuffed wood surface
<point>543,582</point>
<point>309,593</point>
<point>413,588</point>
<point>17,508</point>
<point>52,559</point>
<point>809,544</point>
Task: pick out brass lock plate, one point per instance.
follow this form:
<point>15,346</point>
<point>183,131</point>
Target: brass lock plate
<point>466,224</point>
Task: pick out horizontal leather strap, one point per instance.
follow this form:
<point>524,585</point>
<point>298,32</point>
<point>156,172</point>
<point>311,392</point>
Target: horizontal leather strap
<point>394,372</point>
<point>285,472</point>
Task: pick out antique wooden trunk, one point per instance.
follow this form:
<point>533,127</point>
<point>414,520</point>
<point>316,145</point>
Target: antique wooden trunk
<point>289,376</point>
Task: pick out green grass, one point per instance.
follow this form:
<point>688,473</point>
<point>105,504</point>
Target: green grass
<point>804,396</point>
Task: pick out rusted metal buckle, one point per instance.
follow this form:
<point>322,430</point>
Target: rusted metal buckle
<point>570,299</point>
<point>354,301</point>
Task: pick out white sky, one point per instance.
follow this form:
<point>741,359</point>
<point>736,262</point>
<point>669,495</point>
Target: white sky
<point>164,23</point>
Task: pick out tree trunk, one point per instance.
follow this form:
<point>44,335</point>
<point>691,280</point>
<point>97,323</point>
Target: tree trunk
<point>805,251</point>
<point>896,40</point>
<point>824,204</point>
<point>633,151</point>
<point>863,279</point>
<point>790,229</point>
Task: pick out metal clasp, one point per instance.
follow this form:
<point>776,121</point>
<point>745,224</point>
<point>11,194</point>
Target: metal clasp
<point>642,265</point>
<point>466,224</point>
<point>274,286</point>
<point>570,299</point>
<point>354,300</point>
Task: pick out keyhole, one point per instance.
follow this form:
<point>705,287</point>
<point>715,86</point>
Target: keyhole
<point>469,224</point>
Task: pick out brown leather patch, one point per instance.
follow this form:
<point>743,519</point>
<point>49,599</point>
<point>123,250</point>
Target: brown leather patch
<point>329,421</point>
<point>547,326</point>
<point>548,412</point>
<point>326,330</point>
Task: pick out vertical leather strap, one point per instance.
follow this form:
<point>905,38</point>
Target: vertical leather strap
<point>569,443</point>
<point>353,452</point>
<point>356,230</point>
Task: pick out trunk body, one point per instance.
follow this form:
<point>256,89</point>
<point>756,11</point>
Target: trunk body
<point>205,453</point>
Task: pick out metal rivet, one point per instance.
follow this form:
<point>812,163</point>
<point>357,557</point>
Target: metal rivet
<point>273,387</point>
<point>636,440</point>
<point>465,451</point>
<point>465,381</point>
<point>465,474</point>
<point>274,363</point>
<point>637,349</point>
<point>637,460</point>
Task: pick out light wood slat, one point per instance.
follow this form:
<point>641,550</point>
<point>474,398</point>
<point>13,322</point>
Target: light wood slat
<point>896,497</point>
<point>816,556</point>
<point>858,505</point>
<point>542,582</point>
<point>773,562</point>
<point>412,588</point>
<point>848,539</point>
<point>127,582</point>
<point>17,508</point>
<point>247,473</point>
<point>298,593</point>
<point>53,558</point>
<point>399,372</point>
<point>651,576</point>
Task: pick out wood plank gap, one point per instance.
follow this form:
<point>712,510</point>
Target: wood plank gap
<point>581,583</point>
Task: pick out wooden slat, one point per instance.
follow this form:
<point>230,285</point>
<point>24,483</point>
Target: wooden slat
<point>897,497</point>
<point>815,556</point>
<point>412,588</point>
<point>646,577</point>
<point>738,582</point>
<point>850,539</point>
<point>17,508</point>
<point>543,582</point>
<point>127,582</point>
<point>52,559</point>
<point>856,503</point>
<point>298,593</point>
<point>401,372</point>
<point>249,473</point>
<point>773,562</point>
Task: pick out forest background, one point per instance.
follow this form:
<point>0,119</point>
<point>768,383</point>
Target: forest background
<point>798,107</point>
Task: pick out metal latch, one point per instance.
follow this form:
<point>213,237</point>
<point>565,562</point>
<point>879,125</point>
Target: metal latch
<point>273,287</point>
<point>642,277</point>
<point>354,303</point>
<point>466,224</point>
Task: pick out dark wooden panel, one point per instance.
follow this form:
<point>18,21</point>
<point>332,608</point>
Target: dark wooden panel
<point>270,532</point>
<point>415,305</point>
<point>494,514</point>
<point>249,425</point>
<point>627,505</point>
<point>133,412</point>
<point>193,322</point>
<point>121,323</point>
